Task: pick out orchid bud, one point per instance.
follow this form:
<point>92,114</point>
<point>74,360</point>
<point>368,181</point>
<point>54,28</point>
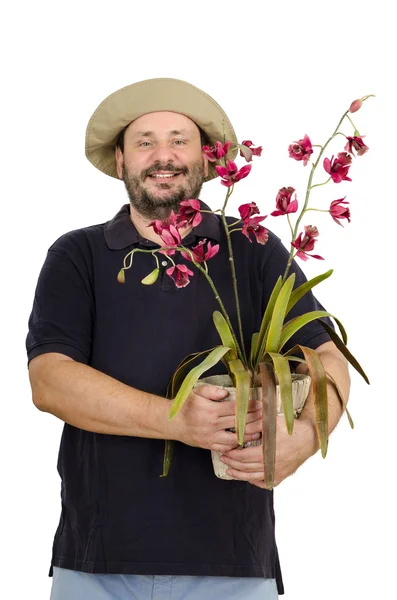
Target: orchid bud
<point>355,105</point>
<point>246,152</point>
<point>151,278</point>
<point>121,276</point>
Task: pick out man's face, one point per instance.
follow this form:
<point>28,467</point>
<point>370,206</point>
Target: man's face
<point>162,163</point>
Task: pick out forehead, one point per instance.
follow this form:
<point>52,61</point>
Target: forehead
<point>162,122</point>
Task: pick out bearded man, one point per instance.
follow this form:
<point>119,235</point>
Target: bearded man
<point>101,356</point>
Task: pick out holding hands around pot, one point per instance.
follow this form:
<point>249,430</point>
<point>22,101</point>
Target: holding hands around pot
<point>204,419</point>
<point>246,464</point>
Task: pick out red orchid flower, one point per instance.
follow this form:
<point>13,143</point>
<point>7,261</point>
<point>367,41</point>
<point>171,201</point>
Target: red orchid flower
<point>356,143</point>
<point>199,253</point>
<point>168,232</point>
<point>283,202</point>
<point>337,211</point>
<point>180,274</point>
<point>301,150</point>
<point>339,167</point>
<point>217,151</point>
<point>252,226</point>
<point>305,242</point>
<point>247,210</point>
<point>231,174</point>
<point>249,150</point>
<point>189,213</point>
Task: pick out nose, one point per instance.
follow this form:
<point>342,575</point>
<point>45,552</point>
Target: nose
<point>163,153</point>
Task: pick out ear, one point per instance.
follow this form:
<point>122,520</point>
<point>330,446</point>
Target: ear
<point>119,162</point>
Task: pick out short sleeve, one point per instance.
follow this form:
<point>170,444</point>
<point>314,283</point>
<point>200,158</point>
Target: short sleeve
<point>62,316</point>
<point>313,334</point>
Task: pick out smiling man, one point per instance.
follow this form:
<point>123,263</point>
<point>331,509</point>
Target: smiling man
<point>159,157</point>
<point>101,356</point>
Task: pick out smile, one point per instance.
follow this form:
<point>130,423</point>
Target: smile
<point>164,175</point>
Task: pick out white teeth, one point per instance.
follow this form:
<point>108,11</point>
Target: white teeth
<point>162,176</point>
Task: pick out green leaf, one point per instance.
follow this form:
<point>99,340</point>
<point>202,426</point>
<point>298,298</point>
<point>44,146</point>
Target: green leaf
<point>295,359</point>
<point>283,372</point>
<point>176,380</point>
<point>225,334</point>
<point>320,395</point>
<point>168,453</point>
<point>254,346</point>
<point>277,320</point>
<point>243,384</point>
<point>187,385</point>
<point>297,323</point>
<point>306,287</point>
<point>266,319</point>
<point>346,353</point>
<point>172,388</point>
<point>269,425</point>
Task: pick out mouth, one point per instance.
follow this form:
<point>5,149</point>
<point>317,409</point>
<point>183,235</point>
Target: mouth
<point>164,177</point>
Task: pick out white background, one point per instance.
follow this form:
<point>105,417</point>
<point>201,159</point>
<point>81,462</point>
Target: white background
<point>279,70</point>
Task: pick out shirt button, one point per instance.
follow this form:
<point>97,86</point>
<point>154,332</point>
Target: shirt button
<point>164,263</point>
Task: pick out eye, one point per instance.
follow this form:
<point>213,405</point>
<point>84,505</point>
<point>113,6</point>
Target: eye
<point>141,144</point>
<point>179,142</point>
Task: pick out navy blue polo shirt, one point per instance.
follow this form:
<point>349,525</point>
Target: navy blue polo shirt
<point>117,514</point>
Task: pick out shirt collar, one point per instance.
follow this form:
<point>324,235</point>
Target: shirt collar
<point>120,232</point>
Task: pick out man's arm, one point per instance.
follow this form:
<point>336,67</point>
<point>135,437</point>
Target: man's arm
<point>86,398</point>
<point>293,450</point>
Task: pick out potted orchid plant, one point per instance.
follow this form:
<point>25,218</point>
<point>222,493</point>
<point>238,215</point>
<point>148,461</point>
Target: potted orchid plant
<point>268,368</point>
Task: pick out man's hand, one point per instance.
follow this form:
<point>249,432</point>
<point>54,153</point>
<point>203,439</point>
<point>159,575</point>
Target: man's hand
<point>292,451</point>
<point>204,419</point>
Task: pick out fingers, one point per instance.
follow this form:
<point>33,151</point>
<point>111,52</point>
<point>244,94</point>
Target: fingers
<point>256,478</point>
<point>246,468</point>
<point>227,441</point>
<point>245,465</point>
<point>211,392</point>
<point>252,417</point>
<point>252,454</point>
<point>227,409</point>
<point>250,476</point>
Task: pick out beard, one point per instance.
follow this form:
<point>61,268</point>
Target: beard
<point>154,206</point>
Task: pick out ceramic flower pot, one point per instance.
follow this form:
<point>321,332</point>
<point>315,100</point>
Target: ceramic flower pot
<point>300,391</point>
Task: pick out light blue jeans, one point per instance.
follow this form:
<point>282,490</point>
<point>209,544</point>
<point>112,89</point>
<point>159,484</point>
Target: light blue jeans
<point>74,585</point>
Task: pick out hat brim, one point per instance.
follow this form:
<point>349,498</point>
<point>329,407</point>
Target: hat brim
<point>153,95</point>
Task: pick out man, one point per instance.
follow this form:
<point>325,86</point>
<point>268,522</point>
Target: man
<point>101,356</point>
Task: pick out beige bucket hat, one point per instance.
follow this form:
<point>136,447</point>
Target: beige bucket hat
<point>153,95</point>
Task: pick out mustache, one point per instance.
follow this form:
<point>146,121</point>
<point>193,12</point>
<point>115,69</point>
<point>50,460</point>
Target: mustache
<point>169,167</point>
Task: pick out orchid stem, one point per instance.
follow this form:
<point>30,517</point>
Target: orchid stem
<point>318,184</point>
<point>233,270</point>
<point>234,223</point>
<point>290,226</point>
<point>355,128</point>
